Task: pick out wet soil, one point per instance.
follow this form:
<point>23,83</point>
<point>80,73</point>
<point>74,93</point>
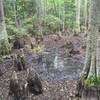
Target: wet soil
<point>59,78</point>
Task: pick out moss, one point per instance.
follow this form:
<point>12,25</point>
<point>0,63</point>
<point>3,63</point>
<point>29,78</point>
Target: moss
<point>82,78</point>
<point>92,81</point>
<point>39,49</point>
<point>4,47</point>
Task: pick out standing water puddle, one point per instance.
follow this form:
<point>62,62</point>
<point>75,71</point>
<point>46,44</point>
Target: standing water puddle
<point>57,67</point>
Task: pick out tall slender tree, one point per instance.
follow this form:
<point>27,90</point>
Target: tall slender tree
<point>40,14</point>
<point>85,12</point>
<point>78,2</point>
<point>4,45</point>
<point>15,12</point>
<point>90,77</point>
<point>2,21</point>
<point>63,17</point>
<point>90,62</point>
<point>91,72</point>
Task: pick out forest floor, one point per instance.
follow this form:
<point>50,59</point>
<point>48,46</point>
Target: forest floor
<point>58,84</point>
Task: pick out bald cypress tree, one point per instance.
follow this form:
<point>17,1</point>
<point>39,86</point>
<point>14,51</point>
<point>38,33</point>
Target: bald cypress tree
<point>90,77</point>
<point>78,3</point>
<point>4,45</point>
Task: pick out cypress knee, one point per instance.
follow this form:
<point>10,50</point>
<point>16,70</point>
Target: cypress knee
<point>14,87</point>
<point>34,82</point>
<point>19,62</point>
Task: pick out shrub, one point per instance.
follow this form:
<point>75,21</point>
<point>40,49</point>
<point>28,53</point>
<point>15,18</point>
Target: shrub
<point>53,23</point>
<point>4,47</point>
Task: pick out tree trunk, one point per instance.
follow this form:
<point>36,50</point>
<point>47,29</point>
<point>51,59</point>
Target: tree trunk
<point>85,13</point>
<point>17,19</point>
<point>78,2</point>
<point>90,77</point>
<point>55,7</point>
<point>39,15</point>
<point>1,12</point>
<point>63,17</point>
<point>4,45</point>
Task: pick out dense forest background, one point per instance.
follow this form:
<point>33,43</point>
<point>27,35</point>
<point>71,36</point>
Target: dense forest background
<point>44,16</point>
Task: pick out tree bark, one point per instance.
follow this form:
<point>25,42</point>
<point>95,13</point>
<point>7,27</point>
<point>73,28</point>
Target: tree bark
<point>63,17</point>
<point>85,13</point>
<point>4,45</point>
<point>1,12</point>
<point>39,9</point>
<point>78,2</point>
<point>90,77</point>
<point>91,53</point>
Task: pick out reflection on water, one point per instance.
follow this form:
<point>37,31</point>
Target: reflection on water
<point>56,62</point>
<point>44,66</point>
<point>54,66</point>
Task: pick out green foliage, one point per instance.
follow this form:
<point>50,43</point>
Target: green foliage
<point>70,13</point>
<point>12,30</point>
<point>53,23</point>
<point>39,49</point>
<point>28,26</point>
<point>4,47</point>
<point>31,25</point>
<point>92,81</point>
<point>52,15</point>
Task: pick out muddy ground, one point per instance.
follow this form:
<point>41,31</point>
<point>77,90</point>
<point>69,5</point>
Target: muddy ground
<point>59,83</point>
